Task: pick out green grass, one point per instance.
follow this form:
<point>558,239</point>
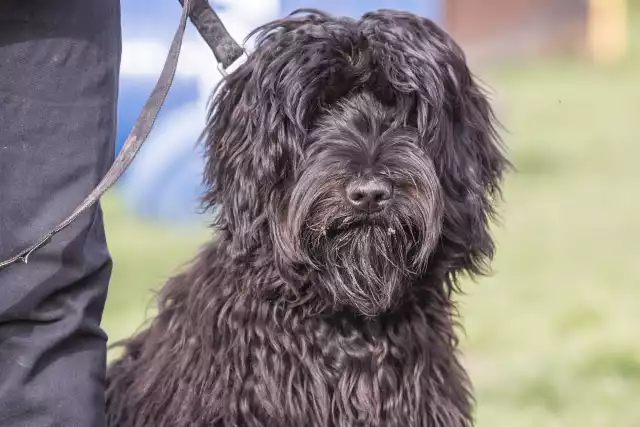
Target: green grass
<point>552,336</point>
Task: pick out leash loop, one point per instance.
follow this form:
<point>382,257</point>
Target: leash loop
<point>226,50</point>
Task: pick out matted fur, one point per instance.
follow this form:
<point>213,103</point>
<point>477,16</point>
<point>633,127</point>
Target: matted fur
<point>302,311</point>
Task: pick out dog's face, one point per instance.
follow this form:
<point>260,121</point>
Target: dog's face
<point>365,205</point>
<point>360,152</point>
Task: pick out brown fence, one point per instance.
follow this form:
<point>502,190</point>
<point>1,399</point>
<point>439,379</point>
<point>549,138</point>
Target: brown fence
<point>495,29</point>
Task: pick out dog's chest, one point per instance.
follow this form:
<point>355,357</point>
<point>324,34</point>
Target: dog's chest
<point>339,375</point>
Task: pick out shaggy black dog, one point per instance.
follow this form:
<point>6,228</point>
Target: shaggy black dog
<point>355,168</point>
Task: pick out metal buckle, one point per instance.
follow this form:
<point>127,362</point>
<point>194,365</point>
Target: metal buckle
<point>234,65</point>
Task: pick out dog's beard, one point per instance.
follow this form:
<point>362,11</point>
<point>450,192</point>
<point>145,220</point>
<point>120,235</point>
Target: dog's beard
<point>364,262</point>
<point>364,266</point>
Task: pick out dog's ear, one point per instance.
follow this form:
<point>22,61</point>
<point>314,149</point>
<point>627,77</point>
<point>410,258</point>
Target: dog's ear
<point>250,143</point>
<point>458,129</point>
<point>258,121</point>
<point>470,161</point>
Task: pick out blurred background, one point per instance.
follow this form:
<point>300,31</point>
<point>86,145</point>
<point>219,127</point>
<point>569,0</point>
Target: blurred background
<point>552,337</point>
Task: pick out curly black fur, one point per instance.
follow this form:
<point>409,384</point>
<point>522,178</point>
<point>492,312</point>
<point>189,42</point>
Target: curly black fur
<point>302,311</point>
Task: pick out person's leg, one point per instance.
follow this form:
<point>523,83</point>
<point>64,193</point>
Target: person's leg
<point>59,62</point>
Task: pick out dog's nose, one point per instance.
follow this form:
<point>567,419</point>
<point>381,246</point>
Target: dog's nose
<point>369,194</point>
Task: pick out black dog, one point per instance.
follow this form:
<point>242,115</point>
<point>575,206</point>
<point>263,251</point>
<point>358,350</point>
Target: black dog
<point>355,167</point>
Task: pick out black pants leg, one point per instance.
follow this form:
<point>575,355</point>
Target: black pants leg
<point>59,62</point>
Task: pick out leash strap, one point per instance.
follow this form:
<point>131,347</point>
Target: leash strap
<point>210,27</point>
<point>226,50</point>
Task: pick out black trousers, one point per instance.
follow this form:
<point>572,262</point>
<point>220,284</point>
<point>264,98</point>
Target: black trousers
<point>59,62</point>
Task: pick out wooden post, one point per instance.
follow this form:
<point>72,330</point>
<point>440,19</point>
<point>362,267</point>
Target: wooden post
<point>607,30</point>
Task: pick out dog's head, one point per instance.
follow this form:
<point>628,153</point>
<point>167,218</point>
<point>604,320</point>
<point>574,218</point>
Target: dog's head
<point>361,153</point>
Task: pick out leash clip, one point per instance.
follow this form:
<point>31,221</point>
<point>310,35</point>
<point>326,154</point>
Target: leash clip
<point>225,71</point>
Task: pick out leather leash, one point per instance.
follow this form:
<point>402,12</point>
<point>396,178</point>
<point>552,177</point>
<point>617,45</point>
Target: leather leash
<point>226,51</point>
